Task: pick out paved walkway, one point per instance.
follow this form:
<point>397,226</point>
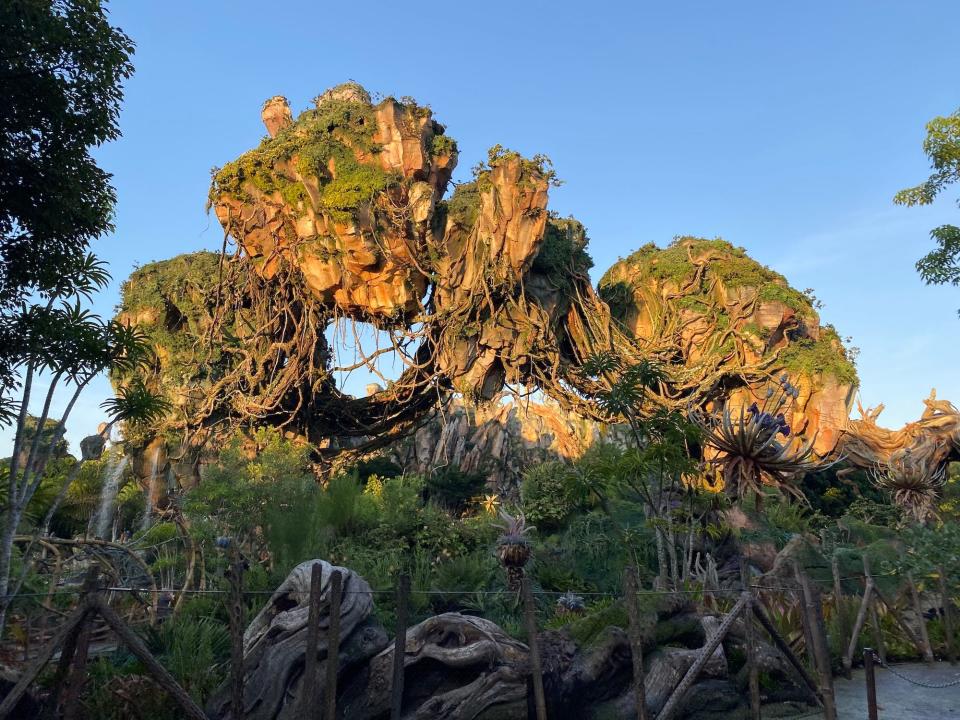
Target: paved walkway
<point>897,699</point>
<point>900,700</point>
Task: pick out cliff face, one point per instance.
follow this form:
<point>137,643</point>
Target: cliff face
<point>729,325</point>
<point>500,440</point>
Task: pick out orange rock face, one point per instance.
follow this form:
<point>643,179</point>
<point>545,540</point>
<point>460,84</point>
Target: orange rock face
<point>733,327</point>
<point>347,204</point>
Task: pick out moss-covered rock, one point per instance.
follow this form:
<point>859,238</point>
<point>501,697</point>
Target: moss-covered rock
<point>720,316</point>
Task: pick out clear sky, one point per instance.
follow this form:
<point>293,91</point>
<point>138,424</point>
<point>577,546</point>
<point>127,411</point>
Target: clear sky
<point>785,128</point>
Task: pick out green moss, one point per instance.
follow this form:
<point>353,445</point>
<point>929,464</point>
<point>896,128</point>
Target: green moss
<point>442,144</point>
<point>325,142</point>
<point>775,292</point>
<point>562,254</point>
<point>173,302</point>
<point>603,614</point>
<point>462,207</point>
<point>825,355</point>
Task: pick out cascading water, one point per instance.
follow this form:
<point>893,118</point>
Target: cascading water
<point>108,495</point>
<point>148,496</point>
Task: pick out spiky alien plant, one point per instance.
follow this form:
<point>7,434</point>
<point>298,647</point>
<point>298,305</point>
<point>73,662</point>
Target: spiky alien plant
<point>514,547</point>
<point>754,445</point>
<point>570,604</point>
<point>914,484</point>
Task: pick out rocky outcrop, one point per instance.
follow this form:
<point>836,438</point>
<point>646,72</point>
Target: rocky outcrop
<point>500,440</point>
<point>730,326</point>
<point>274,644</point>
<point>460,667</point>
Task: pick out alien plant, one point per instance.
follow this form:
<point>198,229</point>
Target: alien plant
<point>754,447</point>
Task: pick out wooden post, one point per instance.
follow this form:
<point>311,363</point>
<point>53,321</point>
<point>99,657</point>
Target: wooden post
<point>871,684</point>
<point>536,669</point>
<point>236,633</point>
<point>750,640</point>
<point>877,630</point>
<point>310,699</point>
<point>839,609</point>
<point>858,623</point>
<point>399,648</point>
<point>673,702</point>
<point>948,627</point>
<point>67,630</point>
<point>163,678</point>
<point>805,621</point>
<point>630,589</point>
<point>814,609</point>
<point>921,620</point>
<point>80,650</point>
<point>78,672</point>
<point>787,651</point>
<point>333,645</point>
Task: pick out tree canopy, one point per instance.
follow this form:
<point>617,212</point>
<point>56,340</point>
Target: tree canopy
<point>62,67</point>
<point>940,266</point>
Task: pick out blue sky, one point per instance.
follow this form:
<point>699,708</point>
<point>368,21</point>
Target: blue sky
<point>785,128</point>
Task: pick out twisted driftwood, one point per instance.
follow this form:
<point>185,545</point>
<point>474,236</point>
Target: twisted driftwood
<point>275,643</point>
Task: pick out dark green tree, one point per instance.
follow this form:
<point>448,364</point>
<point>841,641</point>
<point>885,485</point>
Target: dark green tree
<point>940,266</point>
<point>62,67</point>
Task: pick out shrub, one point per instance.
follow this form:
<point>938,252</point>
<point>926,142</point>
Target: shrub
<point>452,488</point>
<point>546,495</point>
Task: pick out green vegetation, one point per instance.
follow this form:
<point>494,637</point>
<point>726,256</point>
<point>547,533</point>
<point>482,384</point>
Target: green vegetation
<point>824,356</point>
<point>332,144</point>
<point>941,266</point>
<point>562,255</point>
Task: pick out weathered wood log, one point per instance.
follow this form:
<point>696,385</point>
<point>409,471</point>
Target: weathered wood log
<point>705,654</point>
<point>400,647</point>
<point>921,620</point>
<point>456,667</point>
<point>275,642</point>
<point>630,589</point>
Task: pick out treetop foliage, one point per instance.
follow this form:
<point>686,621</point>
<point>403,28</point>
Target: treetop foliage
<point>62,67</point>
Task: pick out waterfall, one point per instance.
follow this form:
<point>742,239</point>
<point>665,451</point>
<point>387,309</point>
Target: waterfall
<point>148,496</point>
<point>108,495</point>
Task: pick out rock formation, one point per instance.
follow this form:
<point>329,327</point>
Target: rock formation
<point>340,217</point>
<point>460,667</point>
<point>500,440</point>
<point>274,644</point>
<point>729,325</point>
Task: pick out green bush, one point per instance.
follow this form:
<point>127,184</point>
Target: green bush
<point>546,496</point>
<point>452,488</point>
